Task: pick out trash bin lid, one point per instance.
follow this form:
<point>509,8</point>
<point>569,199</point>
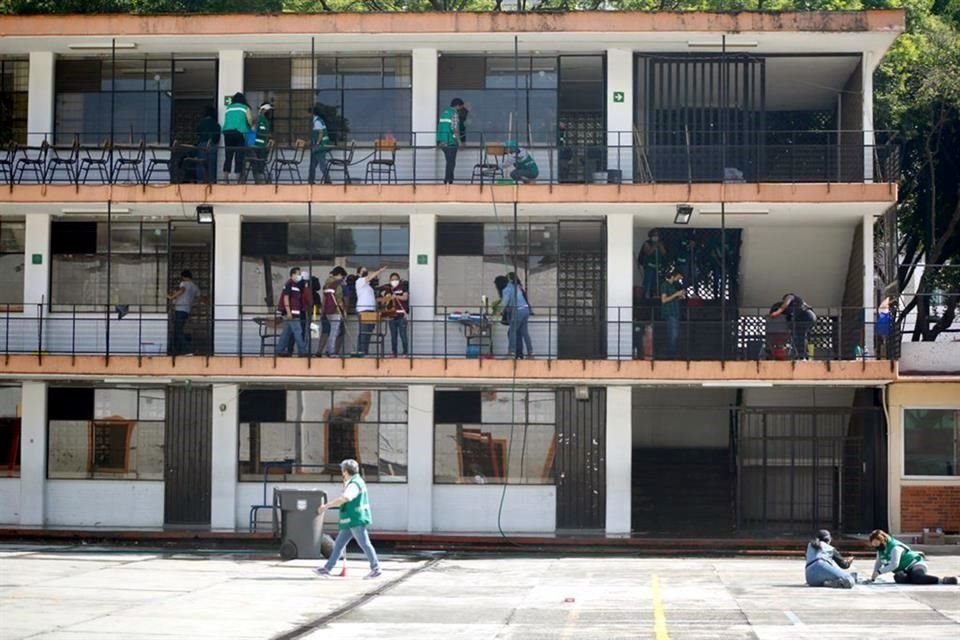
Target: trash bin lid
<point>294,499</point>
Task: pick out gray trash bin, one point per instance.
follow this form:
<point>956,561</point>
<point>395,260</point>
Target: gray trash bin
<point>301,529</point>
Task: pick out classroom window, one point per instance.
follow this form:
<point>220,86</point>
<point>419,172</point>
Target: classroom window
<point>931,439</point>
<point>494,436</point>
<point>303,435</point>
<point>14,83</point>
<point>11,262</point>
<point>10,432</point>
<point>102,433</point>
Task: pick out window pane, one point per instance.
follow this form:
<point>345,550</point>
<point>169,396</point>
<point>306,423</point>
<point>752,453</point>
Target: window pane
<point>393,406</point>
<point>479,454</point>
<point>459,282</point>
<point>326,73</point>
<point>397,72</point>
<point>540,282</point>
<point>376,113</point>
<point>78,279</point>
<point>11,278</point>
<point>504,239</point>
<point>544,73</point>
<point>505,73</point>
<point>360,73</point>
<point>930,442</point>
<point>395,239</point>
<point>118,449</point>
<point>11,237</point>
<point>358,239</point>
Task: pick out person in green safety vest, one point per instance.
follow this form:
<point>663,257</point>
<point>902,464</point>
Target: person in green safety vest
<point>525,168</point>
<point>263,131</point>
<point>237,120</point>
<point>451,131</point>
<point>319,145</point>
<point>908,566</point>
<point>355,517</point>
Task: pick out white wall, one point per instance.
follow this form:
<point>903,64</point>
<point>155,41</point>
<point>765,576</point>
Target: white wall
<point>10,501</point>
<point>388,502</point>
<point>104,503</point>
<point>223,478</point>
<point>40,90</point>
<point>619,437</point>
<point>473,508</point>
<point>691,417</point>
<point>809,261</point>
<point>33,453</point>
<point>620,114</point>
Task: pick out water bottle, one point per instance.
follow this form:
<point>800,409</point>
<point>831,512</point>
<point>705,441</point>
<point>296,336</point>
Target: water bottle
<point>857,352</point>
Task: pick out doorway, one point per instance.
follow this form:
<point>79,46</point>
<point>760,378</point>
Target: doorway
<point>191,249</point>
<point>581,118</point>
<point>581,290</point>
<point>188,445</point>
<point>580,462</point>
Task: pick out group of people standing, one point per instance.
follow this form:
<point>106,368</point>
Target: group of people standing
<point>305,298</point>
<point>827,567</point>
<point>244,132</point>
<point>452,134</point>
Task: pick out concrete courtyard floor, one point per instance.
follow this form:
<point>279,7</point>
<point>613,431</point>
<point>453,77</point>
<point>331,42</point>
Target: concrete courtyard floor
<point>72,593</point>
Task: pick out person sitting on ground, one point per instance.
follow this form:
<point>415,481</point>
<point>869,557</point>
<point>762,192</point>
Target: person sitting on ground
<point>826,567</point>
<point>908,566</point>
<point>524,166</point>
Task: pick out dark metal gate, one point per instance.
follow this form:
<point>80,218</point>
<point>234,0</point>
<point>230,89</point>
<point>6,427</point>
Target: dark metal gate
<point>581,465</point>
<point>187,459</point>
<point>801,469</point>
<point>581,290</point>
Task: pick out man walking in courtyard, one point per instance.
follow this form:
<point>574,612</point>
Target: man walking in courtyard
<point>355,517</point>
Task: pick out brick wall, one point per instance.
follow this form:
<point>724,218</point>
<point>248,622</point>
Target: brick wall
<point>929,507</point>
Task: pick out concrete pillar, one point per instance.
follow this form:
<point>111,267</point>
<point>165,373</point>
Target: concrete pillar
<point>226,269</point>
<point>424,116</point>
<point>223,500</point>
<point>620,261</point>
<point>423,281</point>
<point>36,276</point>
<point>868,137</point>
<point>619,459</point>
<point>620,111</point>
<point>230,79</point>
<point>33,453</point>
<point>869,286</point>
<point>420,458</point>
<point>40,97</point>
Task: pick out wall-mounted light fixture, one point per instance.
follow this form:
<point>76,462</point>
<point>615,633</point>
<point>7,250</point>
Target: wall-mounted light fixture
<point>684,213</point>
<point>205,214</point>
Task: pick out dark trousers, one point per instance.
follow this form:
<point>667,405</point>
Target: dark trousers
<point>234,144</point>
<point>180,339</point>
<point>672,324</point>
<point>450,155</point>
<point>917,574</point>
<point>363,340</point>
<point>207,167</point>
<point>398,326</point>
<point>319,157</point>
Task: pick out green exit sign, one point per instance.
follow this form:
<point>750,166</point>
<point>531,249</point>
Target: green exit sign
<point>37,258</point>
<point>421,258</point>
<point>618,96</point>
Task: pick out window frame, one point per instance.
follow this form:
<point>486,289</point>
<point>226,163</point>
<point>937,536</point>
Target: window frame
<point>14,304</point>
<point>16,123</point>
<point>927,479</point>
<point>326,475</point>
<point>479,429</point>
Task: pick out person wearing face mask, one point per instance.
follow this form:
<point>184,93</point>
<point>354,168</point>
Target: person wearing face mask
<point>366,302</point>
<point>290,308</point>
<point>399,295</point>
<point>332,308</point>
<point>908,566</point>
<point>652,256</point>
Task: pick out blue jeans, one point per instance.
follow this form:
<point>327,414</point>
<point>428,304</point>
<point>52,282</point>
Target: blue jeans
<point>363,540</point>
<point>295,329</point>
<point>518,334</point>
<point>398,326</point>
<point>650,282</point>
<point>319,158</point>
<point>673,335</point>
<point>821,570</point>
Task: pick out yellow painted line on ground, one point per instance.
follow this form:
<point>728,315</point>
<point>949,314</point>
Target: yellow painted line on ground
<point>659,617</point>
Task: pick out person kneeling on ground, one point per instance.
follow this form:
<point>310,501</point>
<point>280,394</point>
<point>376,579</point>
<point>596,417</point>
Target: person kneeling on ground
<point>525,168</point>
<point>908,566</point>
<point>826,567</point>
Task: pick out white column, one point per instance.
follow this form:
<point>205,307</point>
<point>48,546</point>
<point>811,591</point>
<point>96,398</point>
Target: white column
<point>223,501</point>
<point>36,277</point>
<point>619,459</point>
<point>230,78</point>
<point>868,137</point>
<point>33,453</point>
<point>420,458</point>
<point>424,115</point>
<point>40,97</point>
<point>423,239</point>
<point>620,112</point>
<point>226,273</point>
<point>869,286</point>
<point>620,260</point>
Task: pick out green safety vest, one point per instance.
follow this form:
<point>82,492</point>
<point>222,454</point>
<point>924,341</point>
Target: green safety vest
<point>448,128</point>
<point>908,558</point>
<point>356,513</point>
<point>318,135</point>
<point>235,118</point>
<point>525,161</point>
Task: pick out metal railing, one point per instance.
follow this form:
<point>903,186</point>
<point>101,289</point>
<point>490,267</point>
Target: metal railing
<point>700,333</point>
<point>415,158</point>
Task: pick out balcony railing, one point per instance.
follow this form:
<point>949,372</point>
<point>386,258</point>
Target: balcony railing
<point>618,333</point>
<point>414,158</point>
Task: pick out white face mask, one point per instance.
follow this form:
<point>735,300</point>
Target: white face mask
<point>394,283</point>
<point>304,275</point>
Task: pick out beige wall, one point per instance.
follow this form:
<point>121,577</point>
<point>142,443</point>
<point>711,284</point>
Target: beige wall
<point>906,395</point>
